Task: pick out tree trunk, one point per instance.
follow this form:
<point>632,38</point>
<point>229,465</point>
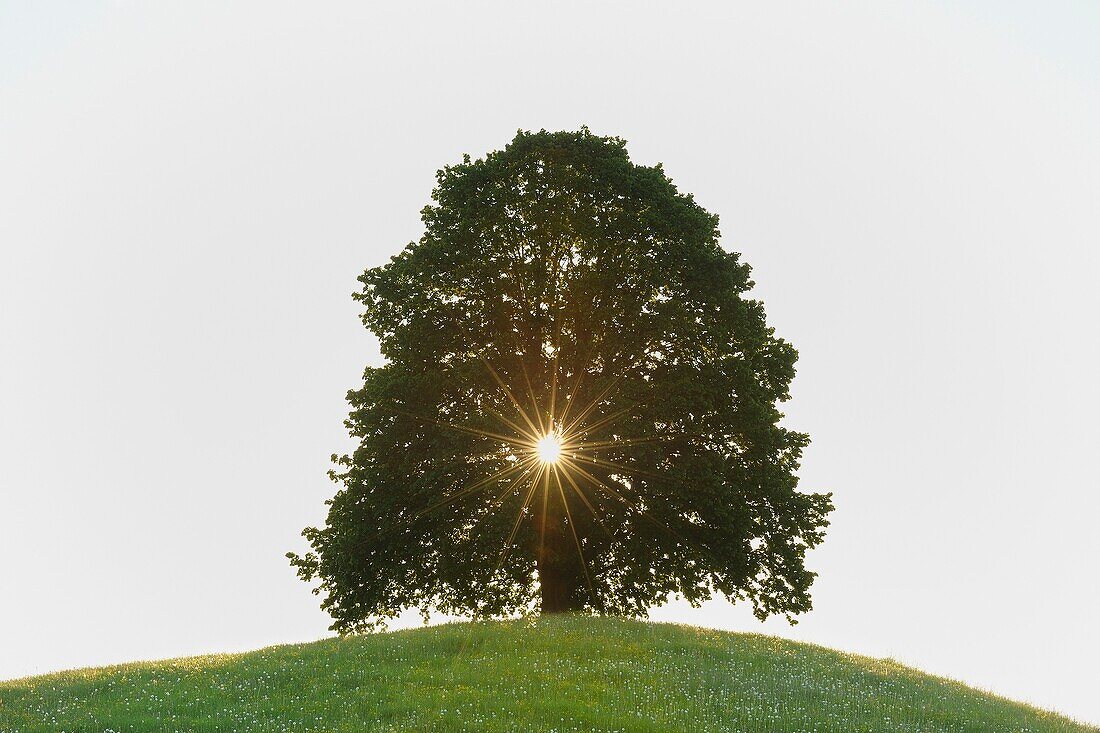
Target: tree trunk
<point>560,573</point>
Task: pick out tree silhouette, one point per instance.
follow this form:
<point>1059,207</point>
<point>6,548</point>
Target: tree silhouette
<point>578,409</point>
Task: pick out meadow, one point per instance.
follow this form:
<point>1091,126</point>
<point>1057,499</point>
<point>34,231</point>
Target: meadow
<point>548,674</point>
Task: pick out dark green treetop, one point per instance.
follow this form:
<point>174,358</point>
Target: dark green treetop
<point>560,289</point>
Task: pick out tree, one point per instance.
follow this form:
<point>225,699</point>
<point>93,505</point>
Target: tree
<point>578,410</point>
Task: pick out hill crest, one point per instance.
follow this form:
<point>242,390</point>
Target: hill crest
<point>547,674</point>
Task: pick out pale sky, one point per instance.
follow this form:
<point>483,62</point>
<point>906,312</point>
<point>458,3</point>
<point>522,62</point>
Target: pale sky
<point>188,192</point>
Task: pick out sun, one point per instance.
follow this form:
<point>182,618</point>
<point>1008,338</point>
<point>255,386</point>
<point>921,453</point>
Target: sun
<point>549,448</point>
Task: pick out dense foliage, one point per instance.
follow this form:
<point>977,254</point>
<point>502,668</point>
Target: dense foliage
<point>560,286</point>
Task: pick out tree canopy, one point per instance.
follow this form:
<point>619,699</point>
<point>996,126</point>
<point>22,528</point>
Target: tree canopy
<point>578,409</point>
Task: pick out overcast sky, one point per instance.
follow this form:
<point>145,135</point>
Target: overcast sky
<point>188,192</point>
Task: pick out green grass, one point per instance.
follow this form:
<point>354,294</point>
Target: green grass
<point>559,674</point>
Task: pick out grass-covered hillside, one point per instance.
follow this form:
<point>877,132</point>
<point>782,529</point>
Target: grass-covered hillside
<point>560,674</point>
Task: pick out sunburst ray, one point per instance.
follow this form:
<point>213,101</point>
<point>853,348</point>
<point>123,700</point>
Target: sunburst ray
<point>634,507</point>
<point>584,499</point>
<point>467,490</point>
<point>576,540</point>
<point>512,397</point>
<point>594,403</point>
<point>519,520</point>
<point>462,428</point>
<point>531,393</point>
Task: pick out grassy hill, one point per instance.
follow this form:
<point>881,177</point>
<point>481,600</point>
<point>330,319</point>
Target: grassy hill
<point>560,674</point>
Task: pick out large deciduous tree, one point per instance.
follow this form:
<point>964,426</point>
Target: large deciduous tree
<point>578,409</point>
